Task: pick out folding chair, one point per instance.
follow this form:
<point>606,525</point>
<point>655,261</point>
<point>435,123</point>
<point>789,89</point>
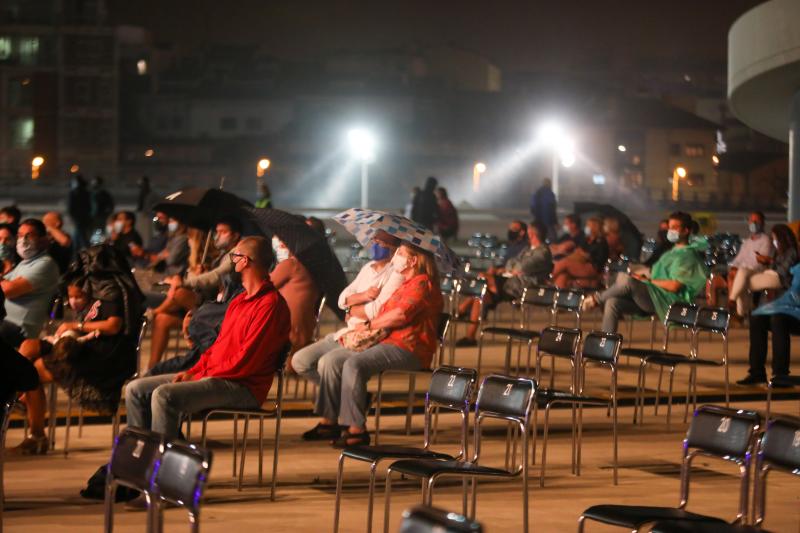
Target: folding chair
<point>180,479</point>
<point>715,432</point>
<point>500,398</point>
<point>469,288</point>
<point>714,321</point>
<point>134,458</point>
<point>540,296</point>
<point>423,519</point>
<point>451,388</point>
<point>296,378</point>
<point>792,381</point>
<point>444,324</point>
<point>569,301</point>
<point>261,414</point>
<point>601,349</point>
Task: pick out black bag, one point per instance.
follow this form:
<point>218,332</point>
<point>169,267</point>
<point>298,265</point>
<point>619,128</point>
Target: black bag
<point>96,488</point>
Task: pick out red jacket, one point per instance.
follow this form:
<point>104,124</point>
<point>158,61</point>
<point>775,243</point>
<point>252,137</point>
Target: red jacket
<point>254,331</point>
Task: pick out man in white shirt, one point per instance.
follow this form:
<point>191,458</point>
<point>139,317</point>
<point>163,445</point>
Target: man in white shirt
<point>362,300</point>
<point>757,244</point>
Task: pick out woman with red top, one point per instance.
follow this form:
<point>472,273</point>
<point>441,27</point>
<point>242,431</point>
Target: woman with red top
<point>410,319</point>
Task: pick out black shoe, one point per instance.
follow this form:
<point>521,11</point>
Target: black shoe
<point>783,382</point>
<point>323,432</point>
<point>466,342</point>
<point>752,380</point>
<point>347,439</point>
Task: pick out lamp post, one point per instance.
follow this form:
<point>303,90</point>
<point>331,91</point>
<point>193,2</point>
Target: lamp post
<point>677,175</point>
<point>362,146</point>
<point>36,165</point>
<point>262,166</point>
<point>477,170</point>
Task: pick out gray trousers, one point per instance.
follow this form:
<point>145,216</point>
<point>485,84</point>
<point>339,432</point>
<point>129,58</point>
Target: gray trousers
<point>156,403</point>
<point>305,361</point>
<point>344,375</point>
<point>626,296</point>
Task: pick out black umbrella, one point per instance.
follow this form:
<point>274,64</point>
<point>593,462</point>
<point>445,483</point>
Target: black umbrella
<point>201,207</point>
<point>308,246</point>
<point>629,233</point>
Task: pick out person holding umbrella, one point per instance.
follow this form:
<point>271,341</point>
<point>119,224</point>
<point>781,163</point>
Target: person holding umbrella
<point>402,336</point>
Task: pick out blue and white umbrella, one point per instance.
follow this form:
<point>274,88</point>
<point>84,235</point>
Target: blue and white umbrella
<point>365,223</point>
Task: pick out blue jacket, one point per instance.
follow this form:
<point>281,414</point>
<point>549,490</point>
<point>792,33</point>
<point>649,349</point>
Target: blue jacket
<point>789,302</point>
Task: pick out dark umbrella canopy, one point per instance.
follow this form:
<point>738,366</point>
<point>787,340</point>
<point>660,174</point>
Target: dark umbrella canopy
<point>308,246</point>
<point>629,233</point>
<point>201,207</point>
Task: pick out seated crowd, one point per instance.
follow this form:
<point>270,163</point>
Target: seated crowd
<point>257,302</point>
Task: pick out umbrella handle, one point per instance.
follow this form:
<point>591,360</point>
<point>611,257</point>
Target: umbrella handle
<point>205,248</point>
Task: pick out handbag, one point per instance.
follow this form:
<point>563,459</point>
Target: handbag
<point>360,340</point>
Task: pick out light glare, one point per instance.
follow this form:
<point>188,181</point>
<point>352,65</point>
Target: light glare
<point>362,144</point>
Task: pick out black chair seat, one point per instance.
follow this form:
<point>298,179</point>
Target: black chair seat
<point>550,395</point>
<point>633,516</point>
<point>515,333</point>
<point>693,526</point>
<point>374,453</point>
<point>674,359</point>
<point>430,467</point>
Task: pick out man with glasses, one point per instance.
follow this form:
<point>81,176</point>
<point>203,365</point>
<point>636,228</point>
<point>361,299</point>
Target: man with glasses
<point>30,286</point>
<point>237,370</point>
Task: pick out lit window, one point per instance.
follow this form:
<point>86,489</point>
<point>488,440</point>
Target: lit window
<point>22,132</point>
<point>695,150</point>
<point>28,50</point>
<point>599,179</point>
<point>141,67</point>
<point>5,48</point>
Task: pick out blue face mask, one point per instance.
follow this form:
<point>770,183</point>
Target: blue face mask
<point>6,252</point>
<point>378,252</point>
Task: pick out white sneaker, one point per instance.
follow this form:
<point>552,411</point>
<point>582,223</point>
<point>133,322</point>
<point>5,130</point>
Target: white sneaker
<point>589,303</point>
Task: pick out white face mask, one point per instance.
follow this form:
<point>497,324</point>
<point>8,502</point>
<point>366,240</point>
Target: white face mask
<point>172,227</point>
<point>221,243</point>
<point>118,225</point>
<point>280,250</point>
<point>26,249</point>
<point>109,229</point>
<point>587,231</point>
<point>673,236</point>
<point>566,229</point>
<point>399,262</point>
<point>775,243</point>
<point>77,304</point>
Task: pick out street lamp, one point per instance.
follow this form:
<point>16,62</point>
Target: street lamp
<point>362,146</point>
<point>36,164</point>
<point>262,166</point>
<point>477,170</point>
<point>677,175</point>
<point>552,135</point>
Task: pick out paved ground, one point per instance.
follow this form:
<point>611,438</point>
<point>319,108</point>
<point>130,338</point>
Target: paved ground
<point>42,492</point>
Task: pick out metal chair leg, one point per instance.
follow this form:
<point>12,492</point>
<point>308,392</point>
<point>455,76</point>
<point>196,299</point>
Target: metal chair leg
<point>545,433</point>
<point>412,383</point>
<point>658,390</point>
<point>387,503</point>
<point>235,442</point>
<point>68,419</point>
<point>244,452</point>
<point>371,497</point>
<point>378,399</point>
<point>260,450</point>
<point>669,401</point>
<point>338,503</point>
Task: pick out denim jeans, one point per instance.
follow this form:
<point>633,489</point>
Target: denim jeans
<point>305,361</point>
<point>156,403</point>
<point>626,296</point>
<point>344,375</point>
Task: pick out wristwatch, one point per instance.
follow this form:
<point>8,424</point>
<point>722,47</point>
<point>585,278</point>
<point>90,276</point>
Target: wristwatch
<point>80,326</point>
<point>347,310</point>
<point>368,323</point>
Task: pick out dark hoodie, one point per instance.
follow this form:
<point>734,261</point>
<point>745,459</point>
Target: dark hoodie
<point>425,208</point>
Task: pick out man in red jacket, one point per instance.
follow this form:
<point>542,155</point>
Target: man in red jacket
<point>237,370</point>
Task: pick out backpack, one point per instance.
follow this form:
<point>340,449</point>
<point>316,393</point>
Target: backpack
<point>96,488</point>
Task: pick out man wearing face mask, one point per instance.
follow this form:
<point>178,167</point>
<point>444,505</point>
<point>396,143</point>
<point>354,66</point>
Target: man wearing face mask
<point>584,266</point>
<point>29,286</point>
<point>8,254</point>
<point>572,238</point>
<point>362,300</point>
<point>678,276</point>
<point>124,236</point>
<point>517,239</point>
<point>757,244</point>
<point>299,290</point>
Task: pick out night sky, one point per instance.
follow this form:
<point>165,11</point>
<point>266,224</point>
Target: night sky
<point>516,35</point>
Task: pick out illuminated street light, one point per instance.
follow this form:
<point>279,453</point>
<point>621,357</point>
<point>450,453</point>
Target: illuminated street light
<point>74,169</point>
<point>477,170</point>
<point>552,135</point>
<point>677,175</point>
<point>715,159</point>
<point>622,148</point>
<point>149,152</point>
<point>36,165</point>
<point>362,146</point>
<point>262,166</point>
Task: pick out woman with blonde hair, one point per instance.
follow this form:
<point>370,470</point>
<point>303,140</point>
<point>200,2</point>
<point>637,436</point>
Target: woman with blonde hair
<point>403,336</point>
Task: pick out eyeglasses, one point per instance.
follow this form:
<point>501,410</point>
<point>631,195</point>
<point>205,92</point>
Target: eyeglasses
<point>234,255</point>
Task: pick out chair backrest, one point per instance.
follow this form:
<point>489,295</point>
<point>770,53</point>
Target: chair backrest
<point>713,319</point>
<point>135,454</point>
<point>681,314</point>
<point>618,265</point>
<point>559,341</point>
<point>780,446</point>
<point>181,475</point>
<point>448,284</point>
<point>472,287</point>
<point>444,324</point>
<point>139,342</point>
<point>424,519</point>
<point>601,347</point>
<point>722,432</point>
<point>505,397</point>
<point>569,300</point>
<point>540,296</point>
<point>451,386</point>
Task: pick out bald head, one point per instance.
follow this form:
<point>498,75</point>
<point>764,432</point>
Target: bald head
<point>259,250</point>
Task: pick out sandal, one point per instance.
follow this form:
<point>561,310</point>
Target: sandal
<point>347,439</point>
<point>323,432</point>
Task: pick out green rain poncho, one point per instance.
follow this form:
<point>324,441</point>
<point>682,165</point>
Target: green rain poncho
<point>684,264</point>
